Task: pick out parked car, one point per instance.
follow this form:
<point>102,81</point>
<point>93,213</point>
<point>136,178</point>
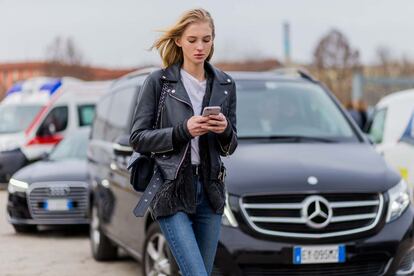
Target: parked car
<point>54,190</point>
<point>392,132</point>
<point>36,114</point>
<point>307,194</point>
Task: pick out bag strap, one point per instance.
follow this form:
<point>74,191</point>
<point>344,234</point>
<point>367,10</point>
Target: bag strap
<point>161,103</point>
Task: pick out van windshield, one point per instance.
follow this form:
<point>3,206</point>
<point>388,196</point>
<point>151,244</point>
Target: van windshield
<point>285,109</point>
<point>16,118</point>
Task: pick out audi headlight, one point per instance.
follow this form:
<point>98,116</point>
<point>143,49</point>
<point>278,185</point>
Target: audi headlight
<point>400,197</point>
<point>228,218</point>
<point>17,186</point>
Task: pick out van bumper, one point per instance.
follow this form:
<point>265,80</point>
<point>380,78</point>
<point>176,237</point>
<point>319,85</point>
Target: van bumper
<point>389,252</point>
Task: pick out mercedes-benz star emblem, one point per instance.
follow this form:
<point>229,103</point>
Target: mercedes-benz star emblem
<point>312,180</point>
<point>317,212</point>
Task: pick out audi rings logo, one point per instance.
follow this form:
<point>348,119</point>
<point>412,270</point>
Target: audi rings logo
<point>317,212</point>
<point>59,191</point>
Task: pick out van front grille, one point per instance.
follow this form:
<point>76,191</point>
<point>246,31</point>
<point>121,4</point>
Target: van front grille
<point>312,216</point>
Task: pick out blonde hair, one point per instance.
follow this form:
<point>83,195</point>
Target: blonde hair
<point>169,51</point>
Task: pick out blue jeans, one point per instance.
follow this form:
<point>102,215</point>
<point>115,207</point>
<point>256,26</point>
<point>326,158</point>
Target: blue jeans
<point>193,238</point>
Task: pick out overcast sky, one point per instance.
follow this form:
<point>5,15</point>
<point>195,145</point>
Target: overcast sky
<point>117,33</point>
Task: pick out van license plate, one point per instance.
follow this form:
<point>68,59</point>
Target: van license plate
<point>319,254</point>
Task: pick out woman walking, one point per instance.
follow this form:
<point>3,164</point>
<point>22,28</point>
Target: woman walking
<point>186,145</point>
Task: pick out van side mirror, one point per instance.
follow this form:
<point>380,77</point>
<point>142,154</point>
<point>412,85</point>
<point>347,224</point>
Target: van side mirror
<point>121,145</point>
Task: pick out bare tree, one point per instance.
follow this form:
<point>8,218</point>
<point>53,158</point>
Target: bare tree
<point>65,59</point>
<point>334,51</point>
<point>384,59</point>
<point>407,66</point>
<point>334,61</point>
<point>64,51</point>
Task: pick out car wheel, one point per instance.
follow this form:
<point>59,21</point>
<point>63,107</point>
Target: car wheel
<point>19,228</point>
<point>102,247</point>
<point>158,259</point>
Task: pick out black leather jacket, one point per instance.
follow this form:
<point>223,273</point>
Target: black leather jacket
<point>170,142</point>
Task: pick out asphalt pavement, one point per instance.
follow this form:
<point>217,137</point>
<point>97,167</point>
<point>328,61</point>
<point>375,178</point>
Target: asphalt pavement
<point>53,251</point>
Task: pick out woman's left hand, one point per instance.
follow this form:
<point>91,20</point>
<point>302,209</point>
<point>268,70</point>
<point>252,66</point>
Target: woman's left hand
<point>216,123</point>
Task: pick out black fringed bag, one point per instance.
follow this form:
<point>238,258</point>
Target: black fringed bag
<point>141,166</point>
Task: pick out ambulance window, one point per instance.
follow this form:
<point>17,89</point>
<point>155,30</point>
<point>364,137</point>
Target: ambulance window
<point>376,131</point>
<point>86,114</point>
<point>55,121</point>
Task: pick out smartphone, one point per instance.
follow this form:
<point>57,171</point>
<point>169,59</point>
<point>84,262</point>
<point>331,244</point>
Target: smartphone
<point>211,110</point>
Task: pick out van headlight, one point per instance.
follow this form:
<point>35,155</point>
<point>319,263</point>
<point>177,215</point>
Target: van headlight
<point>228,218</point>
<point>17,186</point>
<point>400,197</point>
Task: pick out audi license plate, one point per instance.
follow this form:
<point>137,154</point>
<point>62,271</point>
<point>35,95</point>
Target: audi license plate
<point>319,254</point>
<point>61,204</point>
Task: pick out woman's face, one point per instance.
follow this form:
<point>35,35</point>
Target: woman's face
<point>196,42</point>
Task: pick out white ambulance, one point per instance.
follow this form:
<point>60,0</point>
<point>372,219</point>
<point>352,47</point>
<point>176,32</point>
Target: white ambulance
<point>392,130</point>
<point>36,114</point>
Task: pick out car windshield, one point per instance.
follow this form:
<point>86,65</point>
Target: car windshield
<point>72,147</point>
<point>16,118</point>
<point>289,110</point>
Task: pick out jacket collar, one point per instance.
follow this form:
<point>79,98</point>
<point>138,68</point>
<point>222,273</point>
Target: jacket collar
<point>219,83</point>
<point>172,73</point>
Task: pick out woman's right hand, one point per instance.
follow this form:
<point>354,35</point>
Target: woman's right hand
<point>194,125</point>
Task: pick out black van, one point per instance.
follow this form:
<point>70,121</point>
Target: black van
<point>306,192</point>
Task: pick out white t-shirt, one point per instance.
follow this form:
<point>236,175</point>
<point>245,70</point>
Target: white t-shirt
<point>195,90</point>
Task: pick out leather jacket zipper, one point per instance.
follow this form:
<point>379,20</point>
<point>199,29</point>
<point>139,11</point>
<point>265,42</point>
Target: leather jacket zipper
<point>226,152</point>
<point>185,152</point>
<point>187,103</point>
<point>228,148</point>
<point>182,160</point>
<point>160,128</point>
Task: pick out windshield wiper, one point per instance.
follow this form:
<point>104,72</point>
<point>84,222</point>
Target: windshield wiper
<point>290,138</point>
